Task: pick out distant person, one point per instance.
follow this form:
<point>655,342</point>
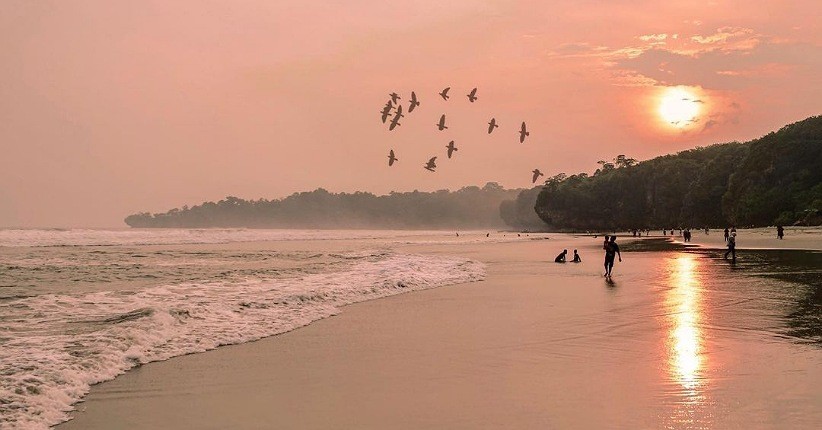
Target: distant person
<point>576,258</point>
<point>605,243</point>
<point>487,234</point>
<point>458,234</point>
<point>707,230</point>
<point>611,251</point>
<point>561,257</point>
<point>664,232</point>
<point>727,234</point>
<point>731,246</point>
<point>780,232</point>
<point>733,229</point>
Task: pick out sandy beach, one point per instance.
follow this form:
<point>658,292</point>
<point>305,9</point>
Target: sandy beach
<point>677,340</point>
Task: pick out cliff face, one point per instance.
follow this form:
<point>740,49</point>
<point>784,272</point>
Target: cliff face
<point>776,179</point>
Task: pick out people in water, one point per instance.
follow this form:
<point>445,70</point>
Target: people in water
<point>731,247</point>
<point>576,258</point>
<point>561,257</point>
<point>611,251</point>
<point>780,232</point>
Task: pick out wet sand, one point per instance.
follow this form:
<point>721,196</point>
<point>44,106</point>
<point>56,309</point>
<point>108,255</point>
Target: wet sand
<point>678,340</point>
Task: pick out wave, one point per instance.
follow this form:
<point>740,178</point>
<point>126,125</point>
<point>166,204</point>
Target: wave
<point>56,346</point>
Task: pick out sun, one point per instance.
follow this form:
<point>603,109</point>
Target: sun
<point>679,107</point>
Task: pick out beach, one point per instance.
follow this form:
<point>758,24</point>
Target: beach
<point>679,339</point>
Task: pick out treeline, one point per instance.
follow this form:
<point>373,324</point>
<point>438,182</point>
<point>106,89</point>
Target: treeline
<point>469,207</point>
<point>776,179</point>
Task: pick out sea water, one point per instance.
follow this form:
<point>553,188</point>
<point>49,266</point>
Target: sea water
<point>78,307</point>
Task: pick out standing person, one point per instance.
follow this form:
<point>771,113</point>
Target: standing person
<point>611,251</point>
<point>731,247</point>
<point>726,234</point>
<point>780,232</point>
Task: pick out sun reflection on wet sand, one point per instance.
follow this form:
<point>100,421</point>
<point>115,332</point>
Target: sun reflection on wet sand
<point>684,348</point>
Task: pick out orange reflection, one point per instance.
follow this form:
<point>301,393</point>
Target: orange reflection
<point>684,302</point>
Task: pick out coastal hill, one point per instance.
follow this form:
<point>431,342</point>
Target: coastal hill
<point>467,208</point>
<point>776,179</point>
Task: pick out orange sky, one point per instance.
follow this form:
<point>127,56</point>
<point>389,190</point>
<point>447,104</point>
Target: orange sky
<point>113,107</point>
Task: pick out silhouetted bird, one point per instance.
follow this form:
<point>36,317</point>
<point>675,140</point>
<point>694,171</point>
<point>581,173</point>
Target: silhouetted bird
<point>472,96</point>
<point>392,158</point>
<point>396,121</point>
<point>386,112</point>
<point>492,125</point>
<point>414,102</point>
<point>451,148</point>
<point>537,174</point>
<point>444,93</point>
<point>441,125</point>
<point>394,97</point>
<point>431,164</point>
<point>522,133</point>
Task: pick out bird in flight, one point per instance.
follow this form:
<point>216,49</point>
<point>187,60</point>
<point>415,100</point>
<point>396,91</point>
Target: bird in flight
<point>394,97</point>
<point>523,132</point>
<point>396,121</point>
<point>386,111</point>
<point>431,164</point>
<point>492,125</point>
<point>444,93</point>
<point>414,102</point>
<point>391,158</point>
<point>537,174</point>
<point>441,125</point>
<point>451,148</point>
<point>472,96</point>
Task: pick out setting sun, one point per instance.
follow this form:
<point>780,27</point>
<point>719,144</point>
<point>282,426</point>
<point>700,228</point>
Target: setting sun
<point>679,107</point>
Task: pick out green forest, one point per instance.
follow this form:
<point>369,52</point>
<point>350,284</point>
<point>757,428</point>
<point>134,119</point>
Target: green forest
<point>469,207</point>
<point>776,179</point>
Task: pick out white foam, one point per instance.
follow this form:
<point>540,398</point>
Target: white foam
<point>53,347</point>
<point>132,237</point>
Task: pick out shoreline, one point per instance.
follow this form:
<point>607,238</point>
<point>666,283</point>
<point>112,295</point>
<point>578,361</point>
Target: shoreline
<point>476,355</point>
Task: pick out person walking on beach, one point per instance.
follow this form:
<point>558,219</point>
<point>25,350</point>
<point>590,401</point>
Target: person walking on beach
<point>576,258</point>
<point>726,234</point>
<point>731,247</point>
<point>561,257</point>
<point>611,251</point>
<point>780,232</point>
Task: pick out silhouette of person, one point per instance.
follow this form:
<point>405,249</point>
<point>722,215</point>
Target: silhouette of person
<point>611,251</point>
<point>487,234</point>
<point>731,246</point>
<point>576,258</point>
<point>561,257</point>
<point>780,232</point>
<point>727,234</point>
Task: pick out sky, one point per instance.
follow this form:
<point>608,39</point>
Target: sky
<point>110,107</point>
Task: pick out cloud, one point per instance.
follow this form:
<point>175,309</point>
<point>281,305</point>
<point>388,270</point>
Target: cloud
<point>653,37</point>
<point>725,35</point>
<point>728,58</point>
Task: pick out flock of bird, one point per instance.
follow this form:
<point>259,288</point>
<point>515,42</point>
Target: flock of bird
<point>394,110</point>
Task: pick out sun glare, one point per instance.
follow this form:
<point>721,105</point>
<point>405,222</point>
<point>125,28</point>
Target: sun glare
<point>679,107</point>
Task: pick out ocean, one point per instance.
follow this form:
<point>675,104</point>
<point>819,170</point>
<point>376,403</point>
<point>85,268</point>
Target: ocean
<point>78,307</point>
